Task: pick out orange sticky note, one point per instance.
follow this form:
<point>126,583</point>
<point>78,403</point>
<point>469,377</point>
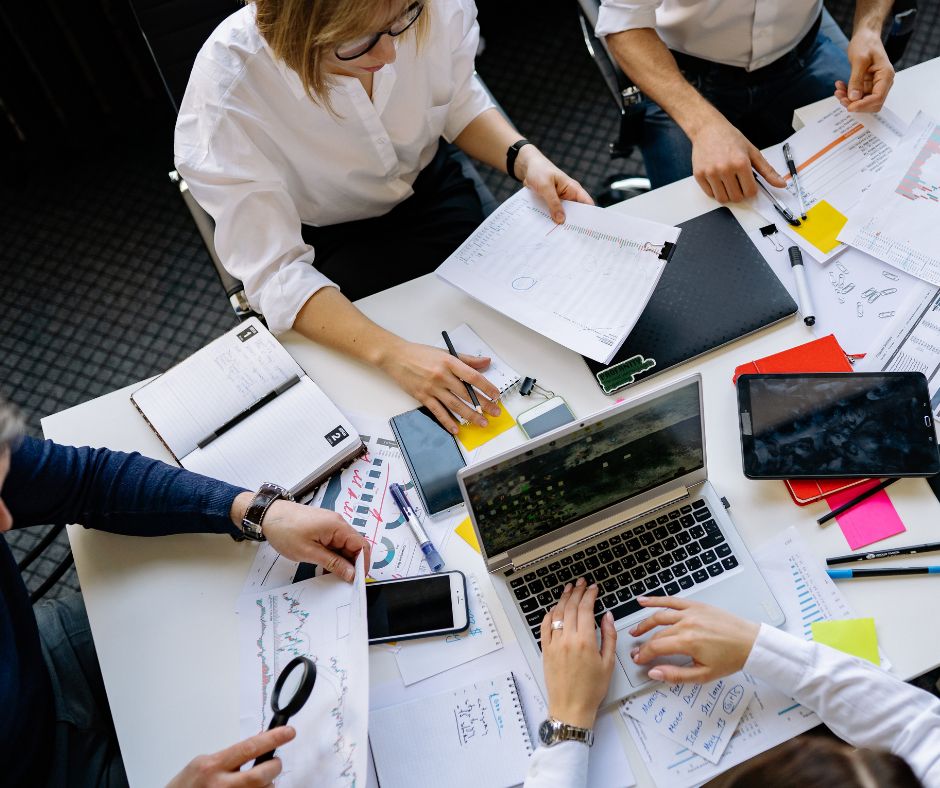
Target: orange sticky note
<point>465,531</point>
<point>472,436</point>
<point>821,226</point>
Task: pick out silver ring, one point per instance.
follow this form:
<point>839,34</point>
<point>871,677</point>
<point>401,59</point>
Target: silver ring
<point>558,625</point>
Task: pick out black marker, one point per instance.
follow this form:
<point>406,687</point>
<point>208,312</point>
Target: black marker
<point>290,383</point>
<point>930,547</point>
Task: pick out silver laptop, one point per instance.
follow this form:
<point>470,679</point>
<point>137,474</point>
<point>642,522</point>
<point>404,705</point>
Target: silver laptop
<point>623,499</point>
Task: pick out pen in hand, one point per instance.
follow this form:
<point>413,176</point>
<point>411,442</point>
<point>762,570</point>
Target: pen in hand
<point>470,391</point>
<point>779,207</point>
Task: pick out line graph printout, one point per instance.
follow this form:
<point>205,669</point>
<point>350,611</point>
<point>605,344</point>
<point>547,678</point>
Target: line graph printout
<point>582,284</point>
<point>323,618</point>
<point>897,220</point>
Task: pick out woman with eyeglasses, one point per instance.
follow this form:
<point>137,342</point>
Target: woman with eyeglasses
<point>317,134</point>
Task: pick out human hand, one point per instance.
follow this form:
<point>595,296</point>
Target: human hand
<point>722,158</point>
<point>719,642</point>
<point>537,173</point>
<point>222,768</point>
<point>436,379</point>
<point>306,533</point>
<point>576,673</point>
<point>872,74</point>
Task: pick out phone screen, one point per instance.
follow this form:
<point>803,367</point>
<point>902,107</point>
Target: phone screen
<point>432,456</point>
<point>408,607</point>
<point>558,415</point>
<point>837,425</point>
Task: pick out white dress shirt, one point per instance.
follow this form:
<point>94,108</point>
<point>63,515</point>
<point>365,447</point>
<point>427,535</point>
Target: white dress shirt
<point>746,33</point>
<point>860,703</point>
<point>262,157</point>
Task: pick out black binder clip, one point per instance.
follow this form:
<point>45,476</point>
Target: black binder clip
<point>529,385</point>
<point>771,230</point>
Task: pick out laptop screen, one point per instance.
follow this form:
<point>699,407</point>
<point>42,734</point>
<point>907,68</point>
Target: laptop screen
<point>633,451</point>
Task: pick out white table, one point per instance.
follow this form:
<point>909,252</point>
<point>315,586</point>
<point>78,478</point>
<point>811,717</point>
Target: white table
<point>162,610</point>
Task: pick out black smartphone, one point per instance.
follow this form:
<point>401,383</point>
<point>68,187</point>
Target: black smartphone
<point>417,607</point>
<point>836,425</point>
<point>432,456</point>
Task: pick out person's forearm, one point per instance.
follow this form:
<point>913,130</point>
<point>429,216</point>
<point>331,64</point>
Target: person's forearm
<point>487,138</point>
<point>870,15</point>
<point>644,57</point>
<point>331,319</point>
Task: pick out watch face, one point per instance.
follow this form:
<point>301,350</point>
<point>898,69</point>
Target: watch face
<point>547,732</point>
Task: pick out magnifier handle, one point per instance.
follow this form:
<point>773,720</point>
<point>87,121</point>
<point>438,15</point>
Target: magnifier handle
<point>276,722</point>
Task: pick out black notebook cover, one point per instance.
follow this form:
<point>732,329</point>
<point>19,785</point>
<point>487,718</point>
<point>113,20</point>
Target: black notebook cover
<point>716,288</point>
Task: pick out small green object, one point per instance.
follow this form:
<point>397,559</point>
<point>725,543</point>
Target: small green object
<point>623,374</point>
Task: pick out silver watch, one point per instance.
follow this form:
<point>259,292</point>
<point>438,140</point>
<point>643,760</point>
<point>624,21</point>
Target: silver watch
<point>552,731</point>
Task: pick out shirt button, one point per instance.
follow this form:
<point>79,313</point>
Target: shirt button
<point>382,140</point>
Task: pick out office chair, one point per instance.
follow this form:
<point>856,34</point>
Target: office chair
<point>629,99</point>
<point>55,574</point>
<point>174,32</point>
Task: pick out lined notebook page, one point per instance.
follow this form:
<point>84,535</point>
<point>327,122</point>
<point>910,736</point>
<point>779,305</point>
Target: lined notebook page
<point>469,737</point>
<point>197,396</point>
<point>467,341</point>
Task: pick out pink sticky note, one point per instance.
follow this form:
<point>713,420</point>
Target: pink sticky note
<point>870,521</point>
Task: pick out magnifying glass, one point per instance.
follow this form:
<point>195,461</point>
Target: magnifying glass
<point>291,691</point>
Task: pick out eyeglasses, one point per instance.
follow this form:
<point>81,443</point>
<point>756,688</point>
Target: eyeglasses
<point>353,49</point>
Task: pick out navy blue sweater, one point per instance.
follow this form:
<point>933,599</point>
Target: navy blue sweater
<point>111,491</point>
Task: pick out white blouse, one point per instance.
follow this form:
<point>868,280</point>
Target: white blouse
<point>860,703</point>
<point>262,157</point>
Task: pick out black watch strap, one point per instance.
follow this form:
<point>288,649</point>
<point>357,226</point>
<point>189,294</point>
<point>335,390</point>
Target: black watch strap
<point>267,494</point>
<point>511,155</point>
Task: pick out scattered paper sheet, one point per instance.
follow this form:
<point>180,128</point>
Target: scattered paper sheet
<point>323,619</point>
<point>854,636</point>
<point>702,717</point>
<point>911,341</point>
<point>897,219</point>
<point>582,284</point>
<point>867,522</point>
<point>419,659</point>
<point>472,436</point>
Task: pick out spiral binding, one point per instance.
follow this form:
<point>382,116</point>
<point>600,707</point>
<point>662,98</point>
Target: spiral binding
<point>494,632</point>
<point>520,715</point>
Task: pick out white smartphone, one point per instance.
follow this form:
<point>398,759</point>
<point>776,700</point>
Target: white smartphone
<point>544,417</point>
<point>417,607</point>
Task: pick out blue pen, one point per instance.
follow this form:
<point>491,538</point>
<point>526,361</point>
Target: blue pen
<point>847,574</point>
<point>430,552</point>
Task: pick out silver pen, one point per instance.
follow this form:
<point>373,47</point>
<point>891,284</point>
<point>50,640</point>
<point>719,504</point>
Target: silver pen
<point>779,206</point>
<point>791,166</point>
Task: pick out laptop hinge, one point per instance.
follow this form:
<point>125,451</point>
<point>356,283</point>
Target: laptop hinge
<point>517,563</point>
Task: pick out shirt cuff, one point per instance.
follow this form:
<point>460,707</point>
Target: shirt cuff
<point>284,293</point>
<point>779,659</point>
<point>563,765</point>
<point>617,19</point>
<point>465,108</point>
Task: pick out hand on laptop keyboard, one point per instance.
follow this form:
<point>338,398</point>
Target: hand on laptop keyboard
<point>718,642</point>
<point>577,673</point>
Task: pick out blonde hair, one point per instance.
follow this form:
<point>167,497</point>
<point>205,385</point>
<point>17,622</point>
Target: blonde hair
<point>303,32</point>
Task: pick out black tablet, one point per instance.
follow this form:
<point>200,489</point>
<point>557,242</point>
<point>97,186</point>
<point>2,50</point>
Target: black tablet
<point>836,425</point>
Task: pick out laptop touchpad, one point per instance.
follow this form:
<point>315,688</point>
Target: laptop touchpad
<point>637,674</point>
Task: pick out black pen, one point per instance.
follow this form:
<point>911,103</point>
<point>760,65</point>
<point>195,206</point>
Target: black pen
<point>470,391</point>
<point>929,547</point>
<point>791,166</point>
<point>856,500</point>
<point>779,206</point>
<point>290,383</point>
<point>848,574</point>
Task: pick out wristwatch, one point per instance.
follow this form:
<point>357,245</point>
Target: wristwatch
<point>552,731</point>
<point>267,494</point>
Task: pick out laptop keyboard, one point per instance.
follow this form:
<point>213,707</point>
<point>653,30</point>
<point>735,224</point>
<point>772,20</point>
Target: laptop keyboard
<point>662,557</point>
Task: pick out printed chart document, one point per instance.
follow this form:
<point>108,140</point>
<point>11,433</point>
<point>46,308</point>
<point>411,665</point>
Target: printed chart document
<point>911,342</point>
<point>467,737</point>
<point>837,158</point>
<point>324,619</point>
<point>582,284</point>
<point>897,220</point>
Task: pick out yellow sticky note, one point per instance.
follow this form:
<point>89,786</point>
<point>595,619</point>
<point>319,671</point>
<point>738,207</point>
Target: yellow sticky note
<point>854,636</point>
<point>821,226</point>
<point>465,531</point>
<point>472,435</point>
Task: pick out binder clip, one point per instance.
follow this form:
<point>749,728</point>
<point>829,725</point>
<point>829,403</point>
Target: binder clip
<point>529,385</point>
<point>770,230</point>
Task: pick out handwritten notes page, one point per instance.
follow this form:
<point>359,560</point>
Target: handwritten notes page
<point>464,738</point>
<point>324,619</point>
<point>701,717</point>
<point>582,284</point>
<point>419,659</point>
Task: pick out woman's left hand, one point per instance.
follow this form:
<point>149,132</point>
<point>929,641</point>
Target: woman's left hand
<point>548,182</point>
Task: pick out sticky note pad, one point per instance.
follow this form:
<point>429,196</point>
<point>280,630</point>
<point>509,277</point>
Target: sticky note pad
<point>854,636</point>
<point>871,520</point>
<point>465,531</point>
<point>472,436</point>
<point>821,226</point>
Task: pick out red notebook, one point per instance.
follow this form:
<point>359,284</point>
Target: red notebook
<point>820,355</point>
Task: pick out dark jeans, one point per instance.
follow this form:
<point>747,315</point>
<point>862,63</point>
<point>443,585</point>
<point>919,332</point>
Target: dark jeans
<point>85,748</point>
<point>414,238</point>
<point>759,103</point>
